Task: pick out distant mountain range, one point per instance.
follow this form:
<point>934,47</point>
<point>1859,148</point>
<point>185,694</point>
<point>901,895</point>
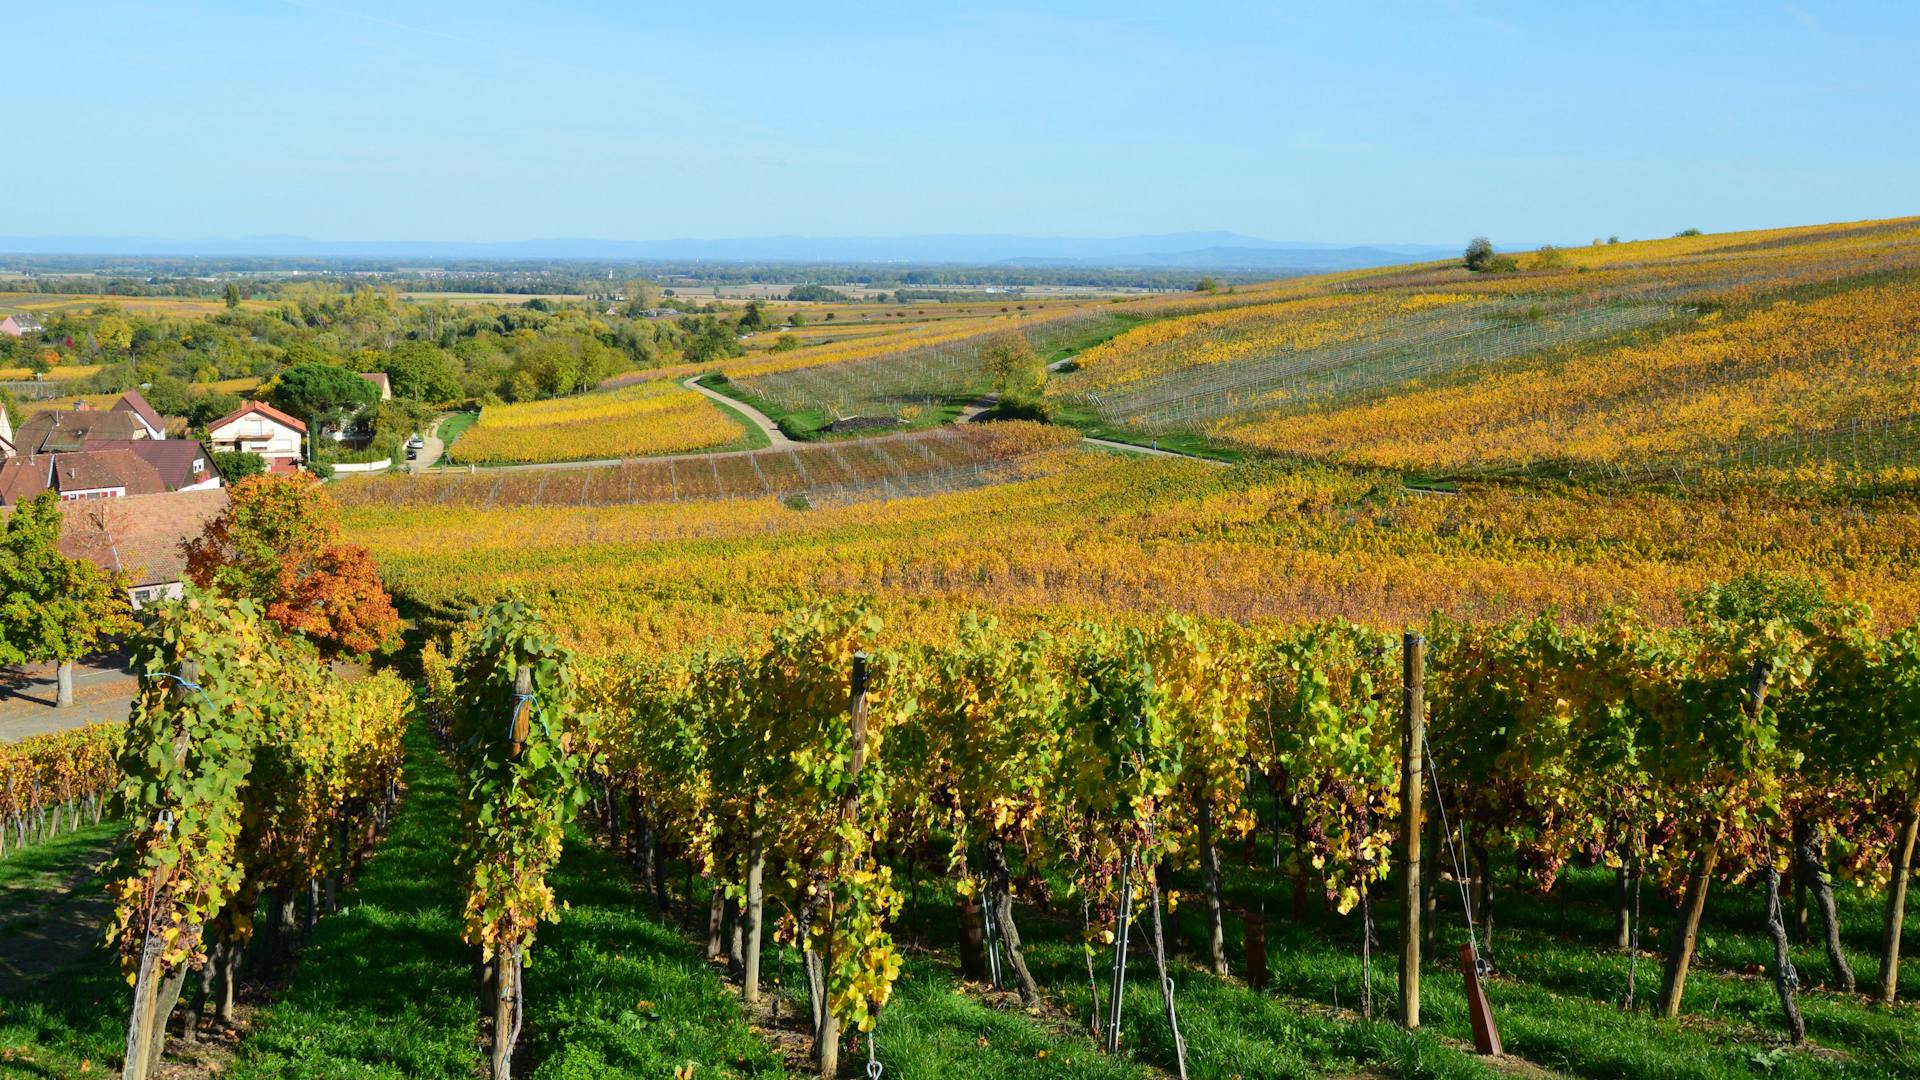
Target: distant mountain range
<point>1188,250</point>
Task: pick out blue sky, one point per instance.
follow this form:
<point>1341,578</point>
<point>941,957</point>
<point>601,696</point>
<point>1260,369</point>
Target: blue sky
<point>1416,122</point>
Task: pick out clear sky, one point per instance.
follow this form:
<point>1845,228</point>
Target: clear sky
<point>1544,120</point>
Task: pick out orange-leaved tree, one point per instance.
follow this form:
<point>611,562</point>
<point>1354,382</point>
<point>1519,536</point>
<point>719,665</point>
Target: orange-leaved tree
<point>279,541</point>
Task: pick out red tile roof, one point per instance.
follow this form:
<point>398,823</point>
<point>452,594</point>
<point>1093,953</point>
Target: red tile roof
<point>132,402</point>
<point>23,477</point>
<point>91,470</point>
<point>263,409</point>
<point>379,379</point>
<point>173,458</point>
<point>141,535</point>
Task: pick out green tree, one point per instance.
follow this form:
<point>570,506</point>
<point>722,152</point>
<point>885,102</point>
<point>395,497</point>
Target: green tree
<point>641,294</point>
<point>210,406</point>
<point>755,317</point>
<point>113,334</point>
<point>1479,253</point>
<point>1010,362</point>
<point>233,295</point>
<point>1206,285</point>
<point>321,394</point>
<point>708,339</point>
<point>423,372</point>
<point>52,607</point>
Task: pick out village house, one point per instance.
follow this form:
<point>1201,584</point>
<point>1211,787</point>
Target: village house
<point>62,430</point>
<point>259,428</point>
<point>142,537</point>
<point>20,325</point>
<point>379,379</point>
<point>86,454</point>
<point>131,402</point>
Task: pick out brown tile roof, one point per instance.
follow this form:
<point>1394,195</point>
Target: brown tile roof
<point>23,477</point>
<point>117,468</point>
<point>141,535</point>
<point>173,458</point>
<point>57,430</point>
<point>263,409</point>
<point>132,402</point>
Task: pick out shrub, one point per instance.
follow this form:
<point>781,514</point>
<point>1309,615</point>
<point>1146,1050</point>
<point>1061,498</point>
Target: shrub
<point>1479,253</point>
<point>237,465</point>
<point>1018,406</point>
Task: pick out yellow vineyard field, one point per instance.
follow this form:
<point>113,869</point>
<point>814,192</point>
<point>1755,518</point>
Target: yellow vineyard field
<point>1130,538</point>
<point>657,417</point>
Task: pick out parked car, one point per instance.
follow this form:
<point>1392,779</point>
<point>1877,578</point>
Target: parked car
<point>413,452</point>
<point>416,443</point>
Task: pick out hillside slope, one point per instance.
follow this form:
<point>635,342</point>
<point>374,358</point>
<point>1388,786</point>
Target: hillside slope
<point>1786,355</point>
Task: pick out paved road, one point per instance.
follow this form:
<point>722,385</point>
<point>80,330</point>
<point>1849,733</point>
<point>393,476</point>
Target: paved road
<point>760,419</point>
<point>102,690</point>
<point>431,452</point>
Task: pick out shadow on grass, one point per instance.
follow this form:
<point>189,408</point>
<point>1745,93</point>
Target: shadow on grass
<point>385,987</point>
<point>62,1002</point>
<point>612,991</point>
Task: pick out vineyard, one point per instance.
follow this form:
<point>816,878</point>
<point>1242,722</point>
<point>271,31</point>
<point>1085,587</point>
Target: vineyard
<point>916,374</point>
<point>1781,357</point>
<point>943,459</point>
<point>1773,727</point>
<point>53,783</point>
<point>656,417</point>
<point>1537,694</point>
<point>1098,535</point>
<point>1120,831</point>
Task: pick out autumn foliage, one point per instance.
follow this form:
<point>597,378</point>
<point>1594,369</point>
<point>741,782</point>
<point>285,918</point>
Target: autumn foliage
<point>279,542</point>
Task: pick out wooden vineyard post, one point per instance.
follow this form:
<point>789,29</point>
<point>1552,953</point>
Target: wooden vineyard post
<point>1414,733</point>
<point>1254,935</point>
<point>1486,1036</point>
<point>507,1007</point>
<point>147,1021</point>
<point>756,899</point>
<point>140,1023</point>
<point>973,952</point>
<point>826,1038</point>
<point>1887,983</point>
